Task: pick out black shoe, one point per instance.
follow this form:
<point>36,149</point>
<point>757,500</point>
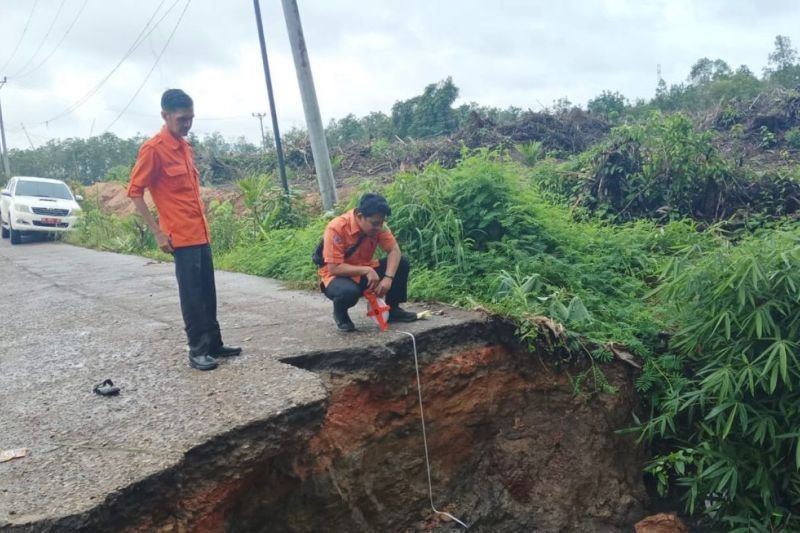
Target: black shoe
<point>343,321</point>
<point>106,388</point>
<point>226,351</point>
<point>401,315</point>
<point>202,362</point>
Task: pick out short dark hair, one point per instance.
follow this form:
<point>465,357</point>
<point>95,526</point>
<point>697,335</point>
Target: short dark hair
<point>173,99</point>
<point>373,204</point>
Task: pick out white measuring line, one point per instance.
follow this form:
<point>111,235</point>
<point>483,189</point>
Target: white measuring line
<point>424,435</point>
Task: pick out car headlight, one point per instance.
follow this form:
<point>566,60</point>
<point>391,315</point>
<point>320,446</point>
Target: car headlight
<point>22,208</point>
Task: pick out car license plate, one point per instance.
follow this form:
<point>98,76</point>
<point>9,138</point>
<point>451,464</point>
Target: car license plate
<point>52,221</point>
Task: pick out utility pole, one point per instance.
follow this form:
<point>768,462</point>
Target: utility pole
<point>27,135</point>
<point>260,117</point>
<point>3,145</point>
<point>316,133</point>
<point>278,147</point>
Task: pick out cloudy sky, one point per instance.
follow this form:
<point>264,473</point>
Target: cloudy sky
<point>74,65</point>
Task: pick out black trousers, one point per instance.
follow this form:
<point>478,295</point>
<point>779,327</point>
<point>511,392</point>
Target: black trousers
<point>194,269</point>
<point>345,292</point>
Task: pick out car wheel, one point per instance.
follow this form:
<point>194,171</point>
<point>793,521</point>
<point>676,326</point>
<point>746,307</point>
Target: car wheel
<point>16,236</point>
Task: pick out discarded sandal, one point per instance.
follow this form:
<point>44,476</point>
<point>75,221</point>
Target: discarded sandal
<point>106,388</point>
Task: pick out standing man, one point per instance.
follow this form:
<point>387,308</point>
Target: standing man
<point>349,243</point>
<point>165,166</point>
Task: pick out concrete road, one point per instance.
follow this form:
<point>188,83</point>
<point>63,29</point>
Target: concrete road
<point>72,317</point>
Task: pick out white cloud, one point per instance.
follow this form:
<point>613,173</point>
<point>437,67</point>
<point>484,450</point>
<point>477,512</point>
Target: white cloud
<point>365,55</point>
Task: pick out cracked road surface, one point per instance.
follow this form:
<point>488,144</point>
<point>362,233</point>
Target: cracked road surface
<point>72,317</point>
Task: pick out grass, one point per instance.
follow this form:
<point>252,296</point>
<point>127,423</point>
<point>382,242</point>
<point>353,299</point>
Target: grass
<point>721,396</point>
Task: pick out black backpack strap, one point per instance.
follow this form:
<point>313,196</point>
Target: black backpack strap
<point>317,258</point>
<point>350,251</point>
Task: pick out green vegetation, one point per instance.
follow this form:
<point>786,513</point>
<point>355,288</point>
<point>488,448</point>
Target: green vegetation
<point>667,239</point>
<point>731,418</point>
<point>792,138</point>
<point>491,232</point>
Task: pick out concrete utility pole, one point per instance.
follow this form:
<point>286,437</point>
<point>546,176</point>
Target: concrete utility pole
<point>27,135</point>
<point>278,147</point>
<point>316,133</point>
<point>260,117</point>
<point>3,145</point>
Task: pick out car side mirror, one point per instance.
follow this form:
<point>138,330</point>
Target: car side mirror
<point>78,198</point>
<point>6,192</point>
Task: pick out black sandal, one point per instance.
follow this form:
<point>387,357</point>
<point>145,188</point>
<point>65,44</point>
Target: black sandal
<point>106,388</point>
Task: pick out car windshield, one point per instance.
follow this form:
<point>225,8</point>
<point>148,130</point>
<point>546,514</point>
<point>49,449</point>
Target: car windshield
<point>42,189</point>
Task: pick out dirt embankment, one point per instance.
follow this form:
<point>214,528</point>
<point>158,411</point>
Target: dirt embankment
<point>512,449</point>
<point>113,198</point>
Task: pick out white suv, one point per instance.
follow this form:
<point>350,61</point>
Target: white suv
<point>31,204</point>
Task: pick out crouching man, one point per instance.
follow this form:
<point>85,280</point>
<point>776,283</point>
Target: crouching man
<point>349,245</point>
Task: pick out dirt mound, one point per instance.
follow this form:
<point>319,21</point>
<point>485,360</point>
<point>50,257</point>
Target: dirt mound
<point>572,131</point>
<point>777,111</point>
<point>113,198</point>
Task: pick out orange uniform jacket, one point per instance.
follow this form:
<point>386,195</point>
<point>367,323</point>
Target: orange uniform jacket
<point>341,233</point>
<point>165,166</point>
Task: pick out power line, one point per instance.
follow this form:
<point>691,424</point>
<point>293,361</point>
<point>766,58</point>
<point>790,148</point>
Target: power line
<point>237,117</point>
<point>197,119</point>
<point>44,39</point>
<point>138,41</point>
<point>21,37</point>
<point>155,64</point>
<point>58,45</point>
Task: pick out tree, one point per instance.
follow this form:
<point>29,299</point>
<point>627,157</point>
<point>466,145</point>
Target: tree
<point>346,130</point>
<point>377,125</point>
<point>82,160</point>
<point>741,84</point>
<point>609,105</point>
<point>214,144</point>
<point>661,87</point>
<point>495,115</point>
<point>782,64</point>
<point>244,147</point>
<point>705,71</point>
<point>428,114</point>
<point>783,56</point>
<point>562,105</point>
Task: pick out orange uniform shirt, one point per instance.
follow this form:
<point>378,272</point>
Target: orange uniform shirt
<point>165,166</point>
<point>341,233</point>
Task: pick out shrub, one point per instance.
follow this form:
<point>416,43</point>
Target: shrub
<point>732,415</point>
<point>792,138</point>
<point>531,152</point>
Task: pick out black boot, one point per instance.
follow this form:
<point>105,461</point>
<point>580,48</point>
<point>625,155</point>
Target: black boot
<point>199,355</point>
<point>396,314</point>
<point>218,349</point>
<point>227,351</point>
<point>342,319</point>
